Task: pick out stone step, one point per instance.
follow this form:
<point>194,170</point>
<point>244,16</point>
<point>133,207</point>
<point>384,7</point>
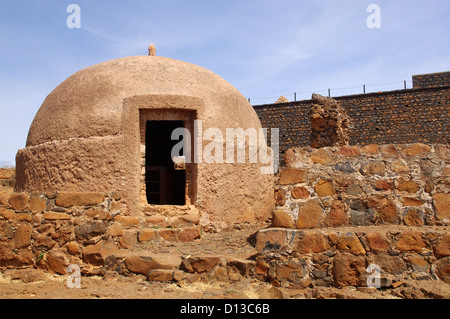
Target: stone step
<point>175,235</point>
<point>166,267</point>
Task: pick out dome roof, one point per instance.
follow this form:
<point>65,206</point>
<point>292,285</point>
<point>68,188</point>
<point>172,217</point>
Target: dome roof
<point>90,102</point>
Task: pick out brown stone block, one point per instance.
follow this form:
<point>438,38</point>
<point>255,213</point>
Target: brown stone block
<point>394,265</point>
<point>408,201</point>
<point>312,242</point>
<point>411,241</point>
<point>370,149</point>
<point>282,219</point>
<point>377,167</point>
<point>11,215</point>
<point>442,249</point>
<point>57,261</point>
<point>416,149</point>
<point>389,149</point>
<point>443,269</point>
<point>202,264</point>
<point>336,216</point>
<point>270,239</point>
<point>441,203</point>
<point>73,248</point>
<point>299,193</point>
<point>324,188</point>
<point>160,275</point>
<point>309,215</point>
<point>378,242</point>
<point>293,176</point>
<point>321,156</point>
<point>70,199</point>
<point>146,235</point>
<point>408,186</point>
<point>349,270</point>
<point>169,234</point>
<point>291,272</point>
<point>22,236</point>
<point>37,203</point>
<point>349,242</point>
<point>127,220</point>
<point>189,234</point>
<point>56,216</point>
<point>280,196</point>
<point>19,201</point>
<point>413,217</point>
<point>347,150</point>
<point>382,185</point>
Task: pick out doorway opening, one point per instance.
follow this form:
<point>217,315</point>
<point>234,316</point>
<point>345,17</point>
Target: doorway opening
<point>165,185</point>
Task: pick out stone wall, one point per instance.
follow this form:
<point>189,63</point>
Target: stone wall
<point>341,209</point>
<point>350,185</point>
<point>431,80</point>
<point>402,116</point>
<point>53,230</point>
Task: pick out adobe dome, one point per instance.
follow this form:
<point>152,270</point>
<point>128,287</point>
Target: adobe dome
<point>90,135</point>
<point>90,102</point>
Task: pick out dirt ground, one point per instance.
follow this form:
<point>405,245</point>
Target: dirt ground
<point>37,284</point>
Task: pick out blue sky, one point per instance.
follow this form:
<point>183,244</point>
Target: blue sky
<point>264,48</point>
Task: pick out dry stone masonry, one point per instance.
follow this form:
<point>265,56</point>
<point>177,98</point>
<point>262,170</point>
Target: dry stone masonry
<point>341,209</point>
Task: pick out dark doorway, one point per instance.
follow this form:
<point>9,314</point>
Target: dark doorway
<point>164,184</point>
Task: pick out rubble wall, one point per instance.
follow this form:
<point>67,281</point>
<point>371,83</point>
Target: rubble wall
<point>342,209</point>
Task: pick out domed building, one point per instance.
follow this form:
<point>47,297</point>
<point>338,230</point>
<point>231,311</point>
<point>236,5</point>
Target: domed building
<point>111,128</point>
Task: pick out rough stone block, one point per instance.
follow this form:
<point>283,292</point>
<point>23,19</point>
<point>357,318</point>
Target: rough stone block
<point>324,188</point>
<point>127,220</point>
<point>349,270</point>
<point>19,201</point>
<point>312,242</point>
<point>394,265</point>
<point>189,234</point>
<point>270,239</point>
<point>443,269</point>
<point>321,156</point>
<point>37,203</point>
<point>293,176</point>
<point>441,203</point>
<point>309,214</point>
<point>57,261</point>
<point>299,193</point>
<point>56,216</point>
<point>169,234</point>
<point>377,241</point>
<point>201,264</point>
<point>413,217</point>
<point>143,263</point>
<point>147,235</point>
<point>354,190</point>
<point>282,219</point>
<point>416,149</point>
<point>22,236</point>
<point>336,216</point>
<point>71,199</point>
<point>442,249</point>
<point>389,149</point>
<point>408,186</point>
<point>160,275</point>
<point>411,241</point>
<point>349,242</point>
